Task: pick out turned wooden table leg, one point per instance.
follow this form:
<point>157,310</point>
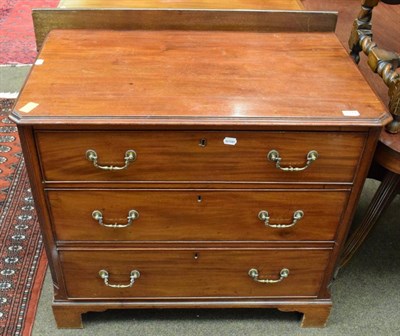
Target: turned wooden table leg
<point>382,198</point>
<point>68,317</point>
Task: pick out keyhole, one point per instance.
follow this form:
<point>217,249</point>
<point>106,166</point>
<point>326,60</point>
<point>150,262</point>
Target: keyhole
<point>199,198</point>
<point>203,142</point>
<point>196,256</point>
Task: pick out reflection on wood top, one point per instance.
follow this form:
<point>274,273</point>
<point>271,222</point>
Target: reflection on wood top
<point>195,4</point>
<point>218,77</point>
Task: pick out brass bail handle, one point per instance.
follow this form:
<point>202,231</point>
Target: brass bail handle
<point>98,216</point>
<point>283,274</point>
<point>263,215</point>
<point>130,156</point>
<point>135,274</point>
<point>274,156</point>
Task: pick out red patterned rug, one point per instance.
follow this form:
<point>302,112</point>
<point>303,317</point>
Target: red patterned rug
<point>17,38</point>
<point>22,260</point>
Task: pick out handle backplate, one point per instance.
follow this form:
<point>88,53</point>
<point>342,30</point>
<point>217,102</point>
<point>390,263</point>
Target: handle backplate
<point>135,274</point>
<point>263,215</point>
<point>130,156</point>
<point>98,216</point>
<point>274,156</point>
<point>283,274</point>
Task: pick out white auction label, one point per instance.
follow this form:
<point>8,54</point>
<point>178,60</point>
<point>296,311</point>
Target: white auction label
<point>230,141</point>
<point>29,107</point>
<point>351,113</point>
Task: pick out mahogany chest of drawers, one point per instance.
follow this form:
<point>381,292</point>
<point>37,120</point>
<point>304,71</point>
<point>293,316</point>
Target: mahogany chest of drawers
<point>176,169</point>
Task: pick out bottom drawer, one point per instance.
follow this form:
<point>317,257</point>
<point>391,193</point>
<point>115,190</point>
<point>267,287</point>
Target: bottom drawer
<point>194,273</point>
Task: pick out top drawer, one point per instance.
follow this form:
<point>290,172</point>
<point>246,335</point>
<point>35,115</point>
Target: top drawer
<point>166,156</point>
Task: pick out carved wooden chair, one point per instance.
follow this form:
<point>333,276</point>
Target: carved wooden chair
<point>386,166</point>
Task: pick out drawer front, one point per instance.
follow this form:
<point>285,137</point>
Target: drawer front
<point>199,215</point>
<point>199,156</point>
<point>193,273</point>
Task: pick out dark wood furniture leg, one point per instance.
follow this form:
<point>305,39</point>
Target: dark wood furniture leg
<point>67,317</point>
<point>314,316</point>
<point>382,198</point>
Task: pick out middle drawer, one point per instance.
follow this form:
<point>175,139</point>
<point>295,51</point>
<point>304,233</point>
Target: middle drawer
<point>196,215</point>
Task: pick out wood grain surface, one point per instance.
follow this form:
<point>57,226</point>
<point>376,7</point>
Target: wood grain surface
<point>176,156</point>
<point>388,152</point>
<point>112,77</point>
<point>194,273</point>
<point>46,20</point>
<point>196,215</point>
<point>193,4</point>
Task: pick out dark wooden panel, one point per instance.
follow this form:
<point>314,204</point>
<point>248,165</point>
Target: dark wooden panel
<point>201,215</point>
<point>202,273</point>
<point>388,152</point>
<point>46,20</point>
<point>180,4</point>
<point>177,156</point>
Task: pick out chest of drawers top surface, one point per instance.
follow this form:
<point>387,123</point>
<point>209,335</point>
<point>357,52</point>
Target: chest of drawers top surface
<point>153,77</point>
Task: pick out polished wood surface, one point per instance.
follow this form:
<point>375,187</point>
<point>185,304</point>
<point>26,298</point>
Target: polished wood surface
<point>219,215</point>
<point>388,152</point>
<point>68,314</point>
<point>194,273</point>
<point>166,125</point>
<point>220,77</point>
<point>46,20</point>
<point>191,4</point>
<point>177,156</point>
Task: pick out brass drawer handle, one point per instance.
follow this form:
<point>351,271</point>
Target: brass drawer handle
<point>92,156</point>
<point>273,156</point>
<point>263,215</point>
<point>132,215</point>
<point>253,273</point>
<point>134,275</point>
